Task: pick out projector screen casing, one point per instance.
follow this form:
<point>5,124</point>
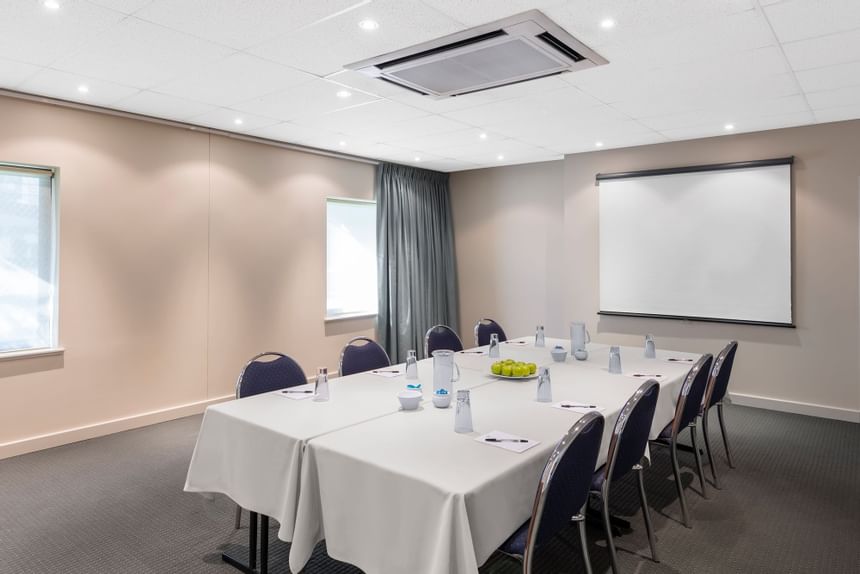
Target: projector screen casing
<point>710,243</point>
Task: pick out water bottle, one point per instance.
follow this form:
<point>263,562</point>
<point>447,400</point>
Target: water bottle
<point>321,386</point>
<point>544,389</point>
<point>494,345</point>
<point>463,414</point>
<point>615,360</point>
<point>540,339</point>
<point>411,365</point>
<point>650,348</point>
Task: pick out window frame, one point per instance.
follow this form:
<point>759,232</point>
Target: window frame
<point>54,347</point>
<point>353,315</point>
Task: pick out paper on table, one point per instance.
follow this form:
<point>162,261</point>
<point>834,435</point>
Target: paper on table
<point>387,373</point>
<point>508,441</point>
<point>645,376</point>
<point>298,396</point>
<point>580,407</point>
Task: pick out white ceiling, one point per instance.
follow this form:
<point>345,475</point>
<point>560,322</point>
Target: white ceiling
<point>679,69</point>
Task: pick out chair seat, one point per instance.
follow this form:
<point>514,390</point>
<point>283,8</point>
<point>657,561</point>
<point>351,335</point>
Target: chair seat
<point>666,433</point>
<point>598,478</point>
<point>516,544</point>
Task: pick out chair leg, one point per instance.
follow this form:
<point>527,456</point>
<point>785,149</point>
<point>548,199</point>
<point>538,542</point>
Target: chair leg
<point>610,544</point>
<point>707,441</point>
<point>580,523</point>
<point>685,518</point>
<point>646,513</point>
<point>238,517</point>
<point>725,437</point>
<point>699,468</point>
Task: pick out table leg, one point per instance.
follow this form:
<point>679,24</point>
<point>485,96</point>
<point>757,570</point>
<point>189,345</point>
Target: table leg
<point>264,544</point>
<point>251,567</point>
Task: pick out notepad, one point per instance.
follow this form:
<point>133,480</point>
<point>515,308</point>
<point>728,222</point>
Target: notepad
<point>507,441</point>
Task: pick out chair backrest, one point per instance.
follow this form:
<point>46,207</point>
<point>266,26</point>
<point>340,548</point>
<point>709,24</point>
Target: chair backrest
<point>362,354</point>
<point>264,376</point>
<point>632,430</point>
<point>441,337</point>
<point>486,327</point>
<point>564,484</point>
<point>718,384</point>
<point>689,403</point>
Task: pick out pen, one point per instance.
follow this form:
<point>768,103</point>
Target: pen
<point>506,439</point>
<point>387,371</point>
<point>308,391</point>
<point>579,406</point>
<point>641,375</point>
<point>680,360</point>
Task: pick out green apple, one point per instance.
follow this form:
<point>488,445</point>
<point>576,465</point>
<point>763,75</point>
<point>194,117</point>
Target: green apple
<point>506,370</point>
<point>532,368</point>
<point>496,368</point>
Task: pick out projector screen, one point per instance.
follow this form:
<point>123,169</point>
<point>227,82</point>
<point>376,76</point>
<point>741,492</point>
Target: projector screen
<point>705,242</point>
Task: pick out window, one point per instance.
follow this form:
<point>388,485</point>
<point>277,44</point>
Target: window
<point>351,284</point>
<point>28,260</point>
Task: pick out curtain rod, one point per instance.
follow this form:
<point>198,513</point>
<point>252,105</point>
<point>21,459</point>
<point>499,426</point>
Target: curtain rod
<point>182,125</point>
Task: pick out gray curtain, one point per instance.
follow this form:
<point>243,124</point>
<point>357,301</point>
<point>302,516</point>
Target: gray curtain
<point>415,248</point>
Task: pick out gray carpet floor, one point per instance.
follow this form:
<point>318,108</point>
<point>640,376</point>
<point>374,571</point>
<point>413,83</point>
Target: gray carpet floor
<point>115,504</point>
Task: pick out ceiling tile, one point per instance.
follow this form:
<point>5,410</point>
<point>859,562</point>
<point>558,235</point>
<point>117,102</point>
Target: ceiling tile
<point>140,54</point>
<point>438,142</point>
<point>477,12</point>
<point>238,23</point>
<point>749,125</point>
<point>30,33</point>
<point>824,51</point>
<point>124,6</point>
<point>830,77</point>
<point>418,127</point>
<point>225,119</point>
<point>65,86</point>
<point>236,78</point>
<point>720,114</point>
<point>328,46</point>
<point>162,106</point>
<point>801,19</point>
<point>834,98</point>
<point>13,73</point>
<point>842,113</point>
<point>308,99</point>
<point>362,120</point>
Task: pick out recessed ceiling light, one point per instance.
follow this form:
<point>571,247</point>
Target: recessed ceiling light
<point>607,23</point>
<point>84,89</point>
<point>344,94</point>
<point>417,158</point>
<point>729,127</point>
<point>238,121</point>
<point>368,24</point>
<point>51,4</point>
<point>483,136</point>
<point>341,143</point>
<point>500,157</point>
<point>598,144</point>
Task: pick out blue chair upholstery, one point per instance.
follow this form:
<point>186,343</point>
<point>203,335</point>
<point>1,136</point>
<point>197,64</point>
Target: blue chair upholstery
<point>441,337</point>
<point>362,354</point>
<point>687,410</point>
<point>264,376</point>
<point>486,327</point>
<point>626,451</point>
<point>562,492</point>
<point>718,386</point>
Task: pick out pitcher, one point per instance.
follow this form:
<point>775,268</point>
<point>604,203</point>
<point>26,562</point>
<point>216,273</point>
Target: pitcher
<point>444,368</point>
<point>579,337</point>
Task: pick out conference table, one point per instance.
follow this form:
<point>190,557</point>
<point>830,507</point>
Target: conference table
<point>396,491</point>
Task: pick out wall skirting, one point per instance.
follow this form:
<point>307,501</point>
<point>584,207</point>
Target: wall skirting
<point>39,442</point>
<point>810,409</point>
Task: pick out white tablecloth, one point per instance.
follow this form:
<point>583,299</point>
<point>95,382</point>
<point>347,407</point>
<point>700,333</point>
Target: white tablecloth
<point>405,493</point>
<point>251,449</point>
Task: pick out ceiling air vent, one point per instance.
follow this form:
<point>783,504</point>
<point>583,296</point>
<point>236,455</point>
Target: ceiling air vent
<point>515,49</point>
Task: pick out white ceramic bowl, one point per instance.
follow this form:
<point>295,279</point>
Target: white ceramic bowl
<point>409,400</point>
<point>441,401</point>
<point>558,354</point>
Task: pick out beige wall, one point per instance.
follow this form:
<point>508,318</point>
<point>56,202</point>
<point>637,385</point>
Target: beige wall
<point>813,369</point>
<point>181,255</point>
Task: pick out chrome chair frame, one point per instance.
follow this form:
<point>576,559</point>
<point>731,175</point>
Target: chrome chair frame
<point>487,321</point>
<point>433,328</point>
<point>638,468</point>
<point>706,407</point>
<point>704,362</point>
<point>349,344</point>
<point>543,490</point>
